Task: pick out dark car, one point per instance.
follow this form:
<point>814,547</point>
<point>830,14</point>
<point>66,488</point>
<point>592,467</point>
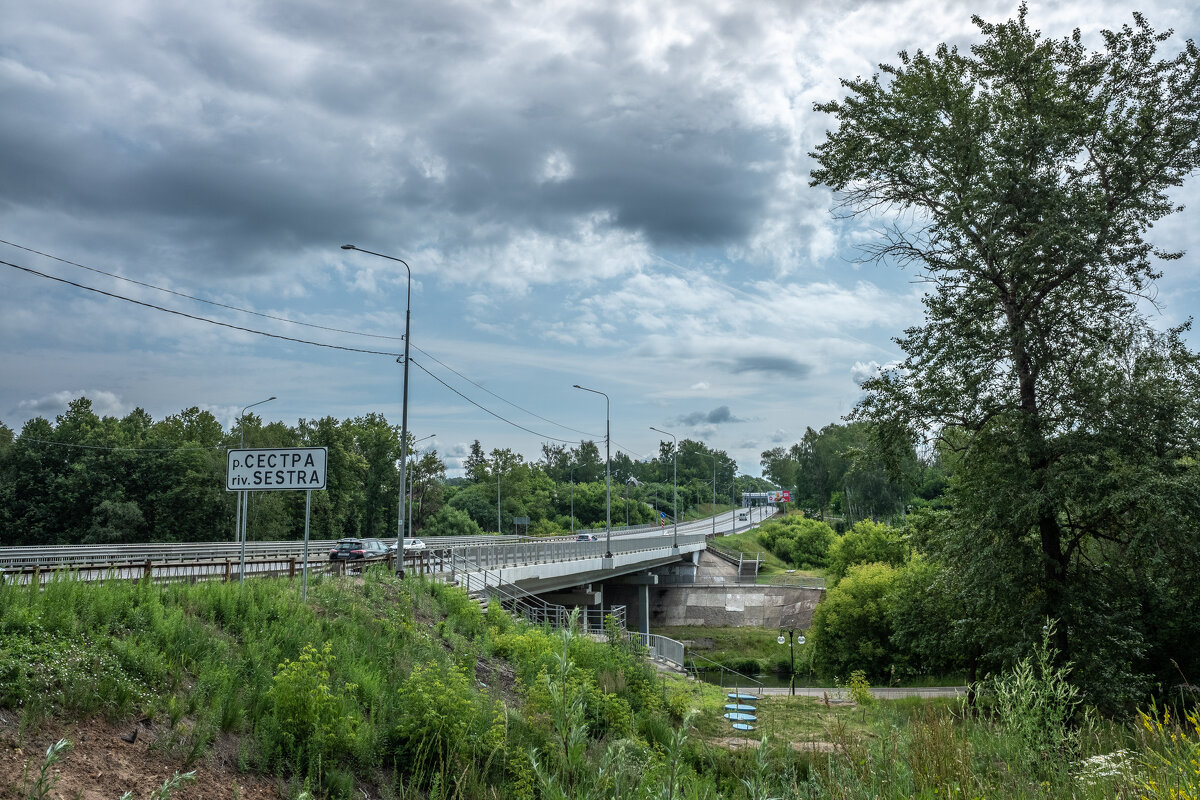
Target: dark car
<point>348,549</point>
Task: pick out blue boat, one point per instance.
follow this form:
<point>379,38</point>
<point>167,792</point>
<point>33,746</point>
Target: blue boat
<point>738,716</point>
<point>742,726</point>
<point>738,707</point>
<point>741,696</point>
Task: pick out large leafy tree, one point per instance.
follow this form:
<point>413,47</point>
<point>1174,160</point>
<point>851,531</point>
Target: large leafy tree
<point>1028,172</point>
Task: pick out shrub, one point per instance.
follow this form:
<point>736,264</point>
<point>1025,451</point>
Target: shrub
<point>865,543</point>
<point>443,725</point>
<point>850,629</point>
<point>1035,703</point>
<point>310,723</point>
<point>798,540</point>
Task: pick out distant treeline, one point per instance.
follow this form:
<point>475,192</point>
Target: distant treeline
<point>87,479</point>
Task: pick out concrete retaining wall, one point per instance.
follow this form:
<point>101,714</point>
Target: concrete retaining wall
<point>728,606</point>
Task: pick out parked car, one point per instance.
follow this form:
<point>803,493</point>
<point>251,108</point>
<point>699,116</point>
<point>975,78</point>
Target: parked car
<point>587,537</point>
<point>409,544</point>
<point>349,549</point>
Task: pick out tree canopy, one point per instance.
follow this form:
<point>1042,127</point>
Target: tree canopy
<point>1026,175</point>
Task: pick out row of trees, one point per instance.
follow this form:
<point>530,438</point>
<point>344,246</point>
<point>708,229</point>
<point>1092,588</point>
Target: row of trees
<point>568,480</point>
<point>90,479</point>
<point>83,478</point>
<point>837,469</point>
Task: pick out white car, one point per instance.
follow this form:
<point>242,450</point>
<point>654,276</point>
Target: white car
<point>409,544</point>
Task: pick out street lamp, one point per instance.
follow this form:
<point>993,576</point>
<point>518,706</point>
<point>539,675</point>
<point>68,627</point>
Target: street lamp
<point>410,495</point>
<point>675,507</point>
<point>607,475</point>
<point>792,641</point>
<point>404,403</point>
<point>714,504</point>
<point>573,499</point>
<point>243,505</point>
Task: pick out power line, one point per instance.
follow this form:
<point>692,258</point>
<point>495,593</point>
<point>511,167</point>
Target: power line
<point>498,397</point>
<point>282,319</point>
<point>285,338</point>
<point>199,319</point>
<point>198,299</point>
<point>417,364</point>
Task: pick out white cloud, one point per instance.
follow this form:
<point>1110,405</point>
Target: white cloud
<point>104,403</point>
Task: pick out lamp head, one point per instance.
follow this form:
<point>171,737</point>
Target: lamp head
<point>780,640</point>
<point>349,247</point>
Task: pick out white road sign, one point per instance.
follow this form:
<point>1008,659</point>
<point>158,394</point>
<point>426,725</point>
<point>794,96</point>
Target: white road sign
<point>276,469</point>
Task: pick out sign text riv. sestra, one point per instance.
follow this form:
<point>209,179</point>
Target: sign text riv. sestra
<point>276,469</point>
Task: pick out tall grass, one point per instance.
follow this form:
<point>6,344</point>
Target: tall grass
<point>408,689</point>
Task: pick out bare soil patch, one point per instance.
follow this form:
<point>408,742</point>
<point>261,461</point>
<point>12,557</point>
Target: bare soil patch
<point>102,766</point>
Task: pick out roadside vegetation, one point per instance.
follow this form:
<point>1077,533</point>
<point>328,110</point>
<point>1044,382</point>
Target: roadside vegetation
<point>395,688</point>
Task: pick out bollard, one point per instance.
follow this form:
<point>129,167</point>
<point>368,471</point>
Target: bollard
<point>292,567</point>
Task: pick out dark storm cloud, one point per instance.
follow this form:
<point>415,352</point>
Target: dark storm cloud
<point>781,365</point>
<point>303,123</point>
<point>717,416</point>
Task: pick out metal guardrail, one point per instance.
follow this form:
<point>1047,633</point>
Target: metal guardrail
<point>93,554</point>
<point>173,571</point>
<point>661,648</point>
<point>480,581</point>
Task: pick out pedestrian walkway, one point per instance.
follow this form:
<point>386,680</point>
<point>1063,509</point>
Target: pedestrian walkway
<point>879,693</point>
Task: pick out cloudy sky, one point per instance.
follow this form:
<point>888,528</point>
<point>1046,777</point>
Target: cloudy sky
<point>609,194</point>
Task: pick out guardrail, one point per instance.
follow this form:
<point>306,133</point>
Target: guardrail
<point>661,648</point>
<point>171,571</point>
<point>32,555</point>
<point>478,580</point>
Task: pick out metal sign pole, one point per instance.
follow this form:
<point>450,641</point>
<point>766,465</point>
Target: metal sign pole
<point>307,511</point>
<point>242,561</point>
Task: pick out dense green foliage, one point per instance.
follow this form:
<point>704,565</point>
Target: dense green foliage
<point>838,469</point>
<point>865,543</point>
<point>798,540</point>
<point>102,480</point>
<point>1029,173</point>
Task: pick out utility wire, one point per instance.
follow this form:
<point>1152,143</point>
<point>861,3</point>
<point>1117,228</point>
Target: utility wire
<point>498,397</point>
<point>289,321</point>
<point>285,338</point>
<point>417,364</point>
<point>199,319</point>
<point>198,299</point>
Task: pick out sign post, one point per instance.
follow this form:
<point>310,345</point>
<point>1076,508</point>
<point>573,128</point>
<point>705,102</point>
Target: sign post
<point>277,469</point>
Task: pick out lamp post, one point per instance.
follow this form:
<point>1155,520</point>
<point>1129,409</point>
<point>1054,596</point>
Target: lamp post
<point>714,504</point>
<point>792,641</point>
<point>675,506</point>
<point>243,505</point>
<point>410,494</point>
<point>404,401</point>
<point>573,500</point>
<point>607,475</point>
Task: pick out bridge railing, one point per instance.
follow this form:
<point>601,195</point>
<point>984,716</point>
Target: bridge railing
<point>490,551</point>
<point>477,579</point>
<point>661,648</point>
